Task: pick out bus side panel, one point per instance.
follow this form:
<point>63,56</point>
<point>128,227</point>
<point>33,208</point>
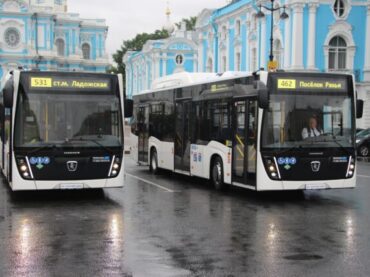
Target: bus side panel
<point>165,153</point>
<point>216,148</point>
<point>134,147</point>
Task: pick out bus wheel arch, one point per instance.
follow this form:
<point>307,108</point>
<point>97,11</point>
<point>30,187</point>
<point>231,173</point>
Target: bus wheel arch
<point>153,162</point>
<point>216,173</point>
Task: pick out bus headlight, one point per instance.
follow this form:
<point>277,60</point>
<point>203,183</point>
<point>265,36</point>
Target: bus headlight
<point>351,168</point>
<point>272,168</point>
<point>116,165</point>
<point>24,168</point>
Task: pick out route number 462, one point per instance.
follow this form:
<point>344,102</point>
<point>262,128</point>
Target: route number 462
<point>286,84</point>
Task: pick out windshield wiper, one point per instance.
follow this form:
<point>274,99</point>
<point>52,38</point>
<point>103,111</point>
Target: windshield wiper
<point>44,147</point>
<point>337,143</point>
<point>295,147</point>
<point>93,141</point>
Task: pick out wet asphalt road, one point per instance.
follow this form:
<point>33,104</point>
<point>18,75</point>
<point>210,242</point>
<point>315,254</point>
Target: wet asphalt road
<point>171,226</point>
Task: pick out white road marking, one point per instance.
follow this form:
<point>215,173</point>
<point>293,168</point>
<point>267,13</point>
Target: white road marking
<point>151,183</point>
<point>363,176</point>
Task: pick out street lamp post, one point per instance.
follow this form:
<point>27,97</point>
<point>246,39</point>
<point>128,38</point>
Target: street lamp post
<point>283,16</point>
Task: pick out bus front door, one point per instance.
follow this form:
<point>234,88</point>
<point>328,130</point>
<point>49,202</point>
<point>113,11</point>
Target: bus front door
<point>143,133</point>
<point>182,136</point>
<point>244,142</point>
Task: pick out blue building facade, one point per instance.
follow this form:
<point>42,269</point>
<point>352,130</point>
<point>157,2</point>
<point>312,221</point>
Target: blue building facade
<point>42,34</point>
<point>321,36</point>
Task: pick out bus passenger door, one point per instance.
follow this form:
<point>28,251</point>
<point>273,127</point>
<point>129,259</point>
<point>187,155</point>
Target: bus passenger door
<point>143,133</point>
<point>245,142</point>
<point>182,136</point>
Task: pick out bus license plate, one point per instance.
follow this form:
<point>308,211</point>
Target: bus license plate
<point>72,186</point>
<point>315,186</point>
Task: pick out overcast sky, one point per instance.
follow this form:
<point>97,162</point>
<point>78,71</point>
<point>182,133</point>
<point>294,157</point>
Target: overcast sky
<point>126,18</point>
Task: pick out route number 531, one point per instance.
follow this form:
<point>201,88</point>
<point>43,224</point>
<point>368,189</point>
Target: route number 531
<point>41,82</point>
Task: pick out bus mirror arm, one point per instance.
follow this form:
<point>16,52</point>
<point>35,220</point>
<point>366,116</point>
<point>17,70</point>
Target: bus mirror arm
<point>8,95</point>
<point>263,95</point>
<point>359,108</point>
<point>129,107</point>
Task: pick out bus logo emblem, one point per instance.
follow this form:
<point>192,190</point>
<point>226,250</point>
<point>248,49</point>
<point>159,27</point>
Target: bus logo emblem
<point>72,166</point>
<point>315,166</point>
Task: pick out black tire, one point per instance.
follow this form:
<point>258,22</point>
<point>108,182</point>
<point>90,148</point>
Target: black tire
<point>153,167</point>
<point>363,151</point>
<point>217,174</point>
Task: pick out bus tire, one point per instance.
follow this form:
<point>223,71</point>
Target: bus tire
<point>153,167</point>
<point>217,174</point>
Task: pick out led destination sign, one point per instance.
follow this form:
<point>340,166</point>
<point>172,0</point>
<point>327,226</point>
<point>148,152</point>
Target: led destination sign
<point>322,84</point>
<point>69,83</point>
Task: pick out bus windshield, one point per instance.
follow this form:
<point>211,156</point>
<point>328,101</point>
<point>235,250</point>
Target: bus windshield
<point>308,120</point>
<point>68,120</point>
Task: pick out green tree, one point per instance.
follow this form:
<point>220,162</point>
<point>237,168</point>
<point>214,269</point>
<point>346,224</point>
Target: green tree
<point>190,23</point>
<point>135,44</point>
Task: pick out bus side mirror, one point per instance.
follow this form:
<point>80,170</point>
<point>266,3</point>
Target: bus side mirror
<point>359,108</point>
<point>129,107</point>
<point>8,95</point>
<point>263,95</point>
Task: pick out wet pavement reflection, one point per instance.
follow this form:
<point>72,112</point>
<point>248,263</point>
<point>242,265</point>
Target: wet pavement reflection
<point>187,230</point>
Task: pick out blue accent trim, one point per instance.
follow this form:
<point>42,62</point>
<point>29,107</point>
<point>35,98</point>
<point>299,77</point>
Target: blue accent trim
<point>305,35</point>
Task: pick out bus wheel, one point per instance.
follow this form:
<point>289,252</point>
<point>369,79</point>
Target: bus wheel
<point>154,162</point>
<point>363,151</point>
<point>217,174</point>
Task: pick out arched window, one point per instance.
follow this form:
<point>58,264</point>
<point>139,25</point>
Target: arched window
<point>238,62</point>
<point>339,8</point>
<point>224,64</point>
<point>337,53</point>
<point>210,65</point>
<point>224,33</point>
<point>278,52</point>
<point>179,59</point>
<point>86,51</point>
<point>60,47</point>
<point>238,27</point>
<point>254,59</point>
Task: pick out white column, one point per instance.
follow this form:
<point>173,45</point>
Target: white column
<point>287,41</point>
<point>297,39</point>
<point>247,48</point>
<point>312,37</point>
<point>367,47</point>
<point>263,44</point>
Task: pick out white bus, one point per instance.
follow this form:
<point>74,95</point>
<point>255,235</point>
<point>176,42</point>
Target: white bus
<point>266,131</point>
<point>62,130</point>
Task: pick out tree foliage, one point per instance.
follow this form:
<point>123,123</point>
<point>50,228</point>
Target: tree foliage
<point>190,23</point>
<point>135,44</point>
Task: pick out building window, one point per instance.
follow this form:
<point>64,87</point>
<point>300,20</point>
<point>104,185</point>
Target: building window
<point>339,8</point>
<point>224,33</point>
<point>337,53</point>
<point>278,52</point>
<point>179,59</point>
<point>224,61</point>
<point>210,65</point>
<point>86,51</point>
<point>237,62</point>
<point>238,27</point>
<point>12,37</point>
<point>60,47</point>
<point>254,59</point>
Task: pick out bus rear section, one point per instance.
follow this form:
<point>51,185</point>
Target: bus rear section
<point>62,131</point>
<point>253,131</point>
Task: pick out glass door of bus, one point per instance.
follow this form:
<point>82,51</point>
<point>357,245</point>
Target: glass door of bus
<point>245,142</point>
<point>143,133</point>
<point>182,136</point>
